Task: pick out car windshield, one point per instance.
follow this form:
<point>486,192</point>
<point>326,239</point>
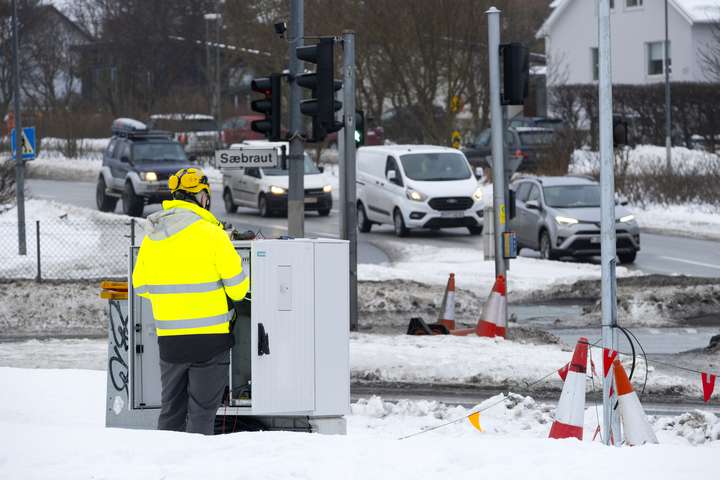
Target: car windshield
<point>310,168</point>
<point>572,196</point>
<point>435,166</point>
<point>157,152</point>
<point>536,138</point>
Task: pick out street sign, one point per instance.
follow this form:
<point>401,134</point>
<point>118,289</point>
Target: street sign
<point>28,143</point>
<point>456,139</point>
<point>246,157</point>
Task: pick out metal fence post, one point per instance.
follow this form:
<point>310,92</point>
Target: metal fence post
<point>132,232</point>
<point>38,278</point>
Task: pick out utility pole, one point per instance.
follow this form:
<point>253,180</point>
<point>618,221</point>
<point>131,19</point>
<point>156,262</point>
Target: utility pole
<point>218,105</point>
<point>296,190</point>
<point>607,212</point>
<point>348,205</point>
<point>668,107</point>
<point>207,18</point>
<point>19,162</point>
<point>498,146</point>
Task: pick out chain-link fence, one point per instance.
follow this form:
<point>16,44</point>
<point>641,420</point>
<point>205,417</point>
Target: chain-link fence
<point>64,249</point>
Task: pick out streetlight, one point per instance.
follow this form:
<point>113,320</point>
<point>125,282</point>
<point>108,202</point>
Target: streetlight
<point>213,93</point>
<point>668,112</point>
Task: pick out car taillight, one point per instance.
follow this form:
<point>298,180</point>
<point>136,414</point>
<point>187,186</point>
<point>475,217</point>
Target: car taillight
<point>182,138</point>
<point>520,154</point>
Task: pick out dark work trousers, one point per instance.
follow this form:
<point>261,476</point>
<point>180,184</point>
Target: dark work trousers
<point>192,393</point>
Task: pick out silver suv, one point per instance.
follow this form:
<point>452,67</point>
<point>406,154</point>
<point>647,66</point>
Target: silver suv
<point>560,216</point>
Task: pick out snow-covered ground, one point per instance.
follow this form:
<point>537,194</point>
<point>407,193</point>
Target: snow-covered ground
<point>646,158</point>
<point>53,427</point>
<point>695,220</point>
<point>431,265</point>
<point>400,359</point>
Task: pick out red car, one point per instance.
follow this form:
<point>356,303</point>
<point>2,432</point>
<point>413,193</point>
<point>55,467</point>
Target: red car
<point>237,129</point>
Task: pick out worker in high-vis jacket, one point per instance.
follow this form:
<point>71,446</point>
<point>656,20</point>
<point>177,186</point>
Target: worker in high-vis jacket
<point>188,269</point>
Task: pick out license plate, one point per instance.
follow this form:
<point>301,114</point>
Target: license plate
<point>452,214</point>
<point>595,240</point>
<point>311,200</point>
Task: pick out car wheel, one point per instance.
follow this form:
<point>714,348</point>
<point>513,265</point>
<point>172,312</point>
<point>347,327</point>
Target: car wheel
<point>132,204</point>
<point>324,212</point>
<point>546,250</point>
<point>475,230</point>
<point>627,257</point>
<point>399,224</point>
<point>364,225</point>
<point>105,203</point>
<point>263,206</point>
<point>230,206</point>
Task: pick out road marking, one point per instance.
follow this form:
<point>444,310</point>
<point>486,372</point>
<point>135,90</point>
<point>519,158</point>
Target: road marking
<point>701,264</point>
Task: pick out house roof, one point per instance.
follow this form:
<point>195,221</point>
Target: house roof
<point>694,11</point>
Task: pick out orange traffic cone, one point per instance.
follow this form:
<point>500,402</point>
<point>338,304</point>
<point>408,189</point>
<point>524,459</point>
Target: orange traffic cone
<point>636,428</point>
<point>570,414</point>
<point>447,309</point>
<point>494,311</point>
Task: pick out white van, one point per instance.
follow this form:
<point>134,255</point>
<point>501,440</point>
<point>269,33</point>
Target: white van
<point>267,188</point>
<point>417,186</point>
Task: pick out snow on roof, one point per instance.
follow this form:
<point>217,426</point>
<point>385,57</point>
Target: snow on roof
<point>695,11</point>
<point>410,148</point>
<point>181,116</point>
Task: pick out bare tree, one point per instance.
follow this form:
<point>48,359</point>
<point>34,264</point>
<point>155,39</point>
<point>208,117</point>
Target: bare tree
<point>710,54</point>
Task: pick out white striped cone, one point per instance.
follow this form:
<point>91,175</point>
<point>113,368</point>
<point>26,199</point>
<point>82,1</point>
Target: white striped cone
<point>636,428</point>
<point>493,311</point>
<point>447,317</point>
<point>570,413</point>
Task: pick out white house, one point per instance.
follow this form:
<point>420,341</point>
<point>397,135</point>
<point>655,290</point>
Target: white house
<point>638,35</point>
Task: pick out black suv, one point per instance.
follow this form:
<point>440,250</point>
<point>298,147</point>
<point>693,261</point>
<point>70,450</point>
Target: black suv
<point>136,166</point>
<point>533,144</point>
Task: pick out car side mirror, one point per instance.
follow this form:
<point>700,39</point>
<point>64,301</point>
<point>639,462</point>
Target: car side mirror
<point>478,172</point>
<point>391,176</point>
<point>124,159</point>
<point>322,169</point>
<point>532,205</point>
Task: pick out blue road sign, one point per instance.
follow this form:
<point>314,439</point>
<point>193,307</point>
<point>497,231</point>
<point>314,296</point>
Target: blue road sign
<point>28,143</point>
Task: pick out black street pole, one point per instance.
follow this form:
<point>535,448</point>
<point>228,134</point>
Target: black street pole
<point>19,162</point>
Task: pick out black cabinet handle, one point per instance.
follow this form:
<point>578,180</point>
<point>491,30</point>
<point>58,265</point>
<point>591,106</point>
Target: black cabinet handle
<point>263,341</point>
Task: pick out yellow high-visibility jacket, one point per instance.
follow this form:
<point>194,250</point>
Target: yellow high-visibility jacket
<point>186,265</point>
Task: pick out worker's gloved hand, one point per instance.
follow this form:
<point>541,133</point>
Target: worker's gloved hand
<point>246,235</point>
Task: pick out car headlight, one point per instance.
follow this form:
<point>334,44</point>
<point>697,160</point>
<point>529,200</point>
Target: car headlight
<point>327,188</point>
<point>415,195</point>
<point>566,220</point>
<point>149,176</point>
<point>277,190</point>
<point>626,218</point>
<point>478,195</point>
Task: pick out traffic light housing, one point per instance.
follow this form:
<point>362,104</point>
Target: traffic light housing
<point>270,106</point>
<point>620,131</point>
<point>359,128</point>
<point>321,105</point>
<point>516,73</point>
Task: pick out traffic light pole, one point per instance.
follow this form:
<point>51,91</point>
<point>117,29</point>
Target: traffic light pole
<point>348,220</point>
<point>607,217</point>
<point>19,162</point>
<point>498,146</point>
<point>296,168</point>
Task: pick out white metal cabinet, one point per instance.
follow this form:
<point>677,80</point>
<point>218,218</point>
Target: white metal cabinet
<point>283,308</point>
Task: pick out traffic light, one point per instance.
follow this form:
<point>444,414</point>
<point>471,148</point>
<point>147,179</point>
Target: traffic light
<point>269,106</point>
<point>516,73</point>
<point>321,106</point>
<point>359,128</point>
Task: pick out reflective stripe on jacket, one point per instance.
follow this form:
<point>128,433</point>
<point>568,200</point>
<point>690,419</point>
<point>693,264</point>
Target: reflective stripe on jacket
<point>186,265</point>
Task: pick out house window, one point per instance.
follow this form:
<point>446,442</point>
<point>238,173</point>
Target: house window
<point>595,63</point>
<point>633,3</point>
<point>656,58</point>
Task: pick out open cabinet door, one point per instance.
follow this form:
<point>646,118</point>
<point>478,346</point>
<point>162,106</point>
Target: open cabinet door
<point>282,327</point>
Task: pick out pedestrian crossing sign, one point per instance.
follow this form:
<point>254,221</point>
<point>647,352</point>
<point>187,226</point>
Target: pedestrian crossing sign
<point>27,143</point>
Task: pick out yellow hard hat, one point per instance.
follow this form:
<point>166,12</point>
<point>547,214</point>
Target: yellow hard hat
<point>191,180</point>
